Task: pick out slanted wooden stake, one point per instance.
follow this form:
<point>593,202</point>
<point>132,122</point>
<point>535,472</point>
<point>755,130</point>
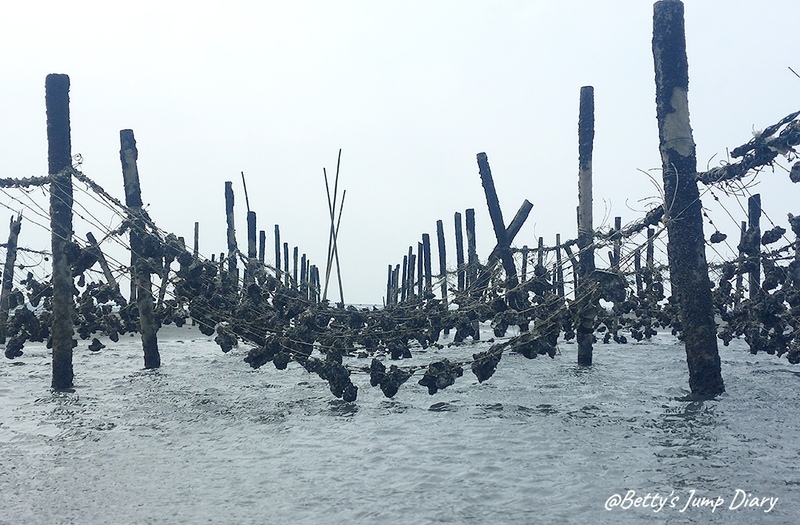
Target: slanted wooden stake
<point>686,247</point>
<point>59,160</point>
<point>586,266</point>
<point>144,294</point>
<point>8,274</point>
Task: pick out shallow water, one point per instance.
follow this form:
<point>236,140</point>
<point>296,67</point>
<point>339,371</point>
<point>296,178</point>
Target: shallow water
<point>205,439</point>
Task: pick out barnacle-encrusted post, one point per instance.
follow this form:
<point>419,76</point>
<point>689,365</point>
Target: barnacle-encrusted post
<point>59,157</point>
<point>686,248</point>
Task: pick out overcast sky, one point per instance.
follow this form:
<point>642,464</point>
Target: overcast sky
<point>410,91</point>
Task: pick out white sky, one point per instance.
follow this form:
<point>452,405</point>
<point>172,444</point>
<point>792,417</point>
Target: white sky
<point>411,91</point>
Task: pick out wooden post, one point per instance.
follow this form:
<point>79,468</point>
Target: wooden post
<point>472,252</point>
<point>540,252</point>
<point>59,160</point>
<point>460,268</point>
<point>584,332</point>
<point>683,209</point>
<point>144,294</point>
<point>524,270</point>
<point>278,253</point>
<point>8,275</point>
<point>649,256</point>
<point>442,260</point>
<point>420,270</point>
<point>112,282</point>
<point>404,280</point>
<point>754,245</point>
<point>617,242</point>
<point>559,269</point>
<point>741,259</point>
<point>196,248</point>
<point>303,277</point>
<point>262,246</point>
<point>233,271</point>
<point>637,268</point>
<point>295,262</point>
<point>286,273</point>
<point>426,250</point>
<point>395,283</point>
<point>388,301</point>
<point>412,271</point>
<point>496,214</point>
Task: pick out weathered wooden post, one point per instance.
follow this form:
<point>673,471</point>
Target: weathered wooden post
<point>740,261</point>
<point>389,287</point>
<point>278,253</point>
<point>8,273</point>
<point>196,247</point>
<point>404,280</point>
<point>262,246</point>
<point>754,245</point>
<point>427,267</point>
<point>496,214</point>
<point>59,160</point>
<point>420,270</point>
<point>442,260</point>
<point>585,328</point>
<point>637,269</point>
<point>617,243</point>
<point>101,259</point>
<point>295,262</point>
<point>524,270</point>
<point>472,251</point>
<point>559,269</point>
<point>686,248</point>
<point>460,268</point>
<point>233,271</point>
<point>650,252</point>
<point>412,271</point>
<point>144,294</point>
<point>286,272</point>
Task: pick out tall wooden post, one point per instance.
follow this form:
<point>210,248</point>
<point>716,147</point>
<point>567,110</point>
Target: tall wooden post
<point>742,257</point>
<point>617,242</point>
<point>262,246</point>
<point>59,160</point>
<point>144,294</point>
<point>683,217</point>
<point>404,280</point>
<point>442,260</point>
<point>460,269</point>
<point>286,273</point>
<point>524,269</point>
<point>278,253</point>
<point>427,267</point>
<point>8,276</point>
<point>233,271</point>
<point>559,269</point>
<point>412,269</point>
<point>585,329</point>
<point>420,270</point>
<point>472,251</point>
<point>196,247</point>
